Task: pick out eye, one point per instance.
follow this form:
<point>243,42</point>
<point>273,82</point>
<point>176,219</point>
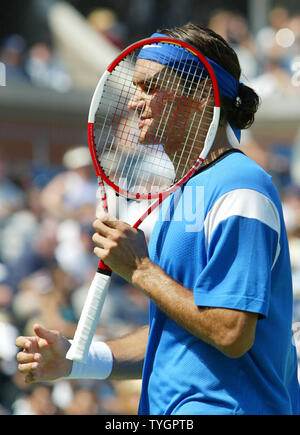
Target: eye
<point>150,88</point>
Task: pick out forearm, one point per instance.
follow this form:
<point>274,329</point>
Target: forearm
<point>172,298</point>
<point>230,331</point>
<point>128,354</point>
<point>118,359</point>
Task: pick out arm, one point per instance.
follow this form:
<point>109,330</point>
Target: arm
<point>129,353</point>
<point>124,250</point>
<point>43,356</point>
<point>230,331</point>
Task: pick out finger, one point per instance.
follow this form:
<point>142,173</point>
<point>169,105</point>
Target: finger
<point>99,240</point>
<point>28,367</point>
<point>33,345</point>
<point>47,334</point>
<point>25,357</point>
<point>24,342</point>
<point>100,253</point>
<point>117,225</point>
<point>102,228</point>
<point>103,242</point>
<point>29,344</point>
<point>106,228</point>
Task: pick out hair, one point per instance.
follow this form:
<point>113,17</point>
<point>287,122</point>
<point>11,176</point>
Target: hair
<point>212,45</point>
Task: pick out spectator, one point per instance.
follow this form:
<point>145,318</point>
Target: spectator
<point>295,160</point>
<point>239,36</point>
<point>44,70</point>
<point>12,52</point>
<point>72,193</point>
<point>8,333</point>
<point>275,81</point>
<point>85,402</point>
<point>128,394</point>
<point>36,402</point>
<point>291,208</point>
<point>45,296</point>
<point>38,253</point>
<point>219,22</point>
<point>233,27</point>
<point>74,252</point>
<point>106,23</point>
<point>278,46</point>
<point>266,37</point>
<point>20,227</point>
<point>11,196</point>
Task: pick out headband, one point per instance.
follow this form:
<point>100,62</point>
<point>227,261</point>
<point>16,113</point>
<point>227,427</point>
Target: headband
<point>189,64</point>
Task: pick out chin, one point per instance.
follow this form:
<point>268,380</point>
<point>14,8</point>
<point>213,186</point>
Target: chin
<point>145,137</point>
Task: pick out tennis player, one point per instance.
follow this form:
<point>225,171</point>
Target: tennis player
<point>219,339</point>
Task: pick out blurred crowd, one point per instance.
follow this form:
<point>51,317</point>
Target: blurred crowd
<point>46,252</point>
<point>270,59</point>
<point>39,64</point>
<point>46,266</point>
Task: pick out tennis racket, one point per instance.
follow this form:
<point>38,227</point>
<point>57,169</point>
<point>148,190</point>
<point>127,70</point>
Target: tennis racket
<point>152,121</point>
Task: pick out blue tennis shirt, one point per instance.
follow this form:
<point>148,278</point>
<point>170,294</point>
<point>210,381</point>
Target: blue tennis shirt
<point>223,237</point>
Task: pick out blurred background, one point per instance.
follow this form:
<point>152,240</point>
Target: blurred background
<point>52,54</point>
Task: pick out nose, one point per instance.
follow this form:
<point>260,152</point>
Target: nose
<point>136,101</point>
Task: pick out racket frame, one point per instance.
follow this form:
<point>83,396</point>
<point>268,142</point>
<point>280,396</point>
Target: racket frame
<point>96,100</point>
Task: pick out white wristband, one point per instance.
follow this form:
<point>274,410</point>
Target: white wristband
<point>98,366</point>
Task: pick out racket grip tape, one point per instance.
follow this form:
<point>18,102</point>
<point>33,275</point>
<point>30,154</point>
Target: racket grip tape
<point>89,318</point>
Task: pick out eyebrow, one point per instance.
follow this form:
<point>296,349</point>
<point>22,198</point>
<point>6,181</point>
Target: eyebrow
<point>146,81</point>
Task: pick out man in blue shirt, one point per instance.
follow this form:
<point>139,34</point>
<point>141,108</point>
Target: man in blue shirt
<point>239,260</point>
<point>219,339</point>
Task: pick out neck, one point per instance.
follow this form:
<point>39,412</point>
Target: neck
<point>220,145</point>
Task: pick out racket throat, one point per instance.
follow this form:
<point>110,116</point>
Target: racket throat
<point>103,269</point>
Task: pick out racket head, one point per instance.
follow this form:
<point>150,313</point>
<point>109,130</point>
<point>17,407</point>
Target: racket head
<point>152,122</point>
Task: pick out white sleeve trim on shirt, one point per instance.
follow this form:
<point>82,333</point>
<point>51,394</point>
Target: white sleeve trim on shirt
<point>246,203</point>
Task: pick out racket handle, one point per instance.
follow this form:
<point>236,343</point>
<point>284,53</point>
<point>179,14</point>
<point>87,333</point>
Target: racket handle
<point>90,316</point>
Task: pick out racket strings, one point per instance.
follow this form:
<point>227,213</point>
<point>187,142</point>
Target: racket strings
<point>174,86</point>
<point>173,142</point>
<point>158,153</point>
<point>139,169</point>
<point>121,115</point>
<point>179,158</point>
<point>111,156</point>
<point>182,125</point>
<point>191,148</point>
<point>186,88</point>
<point>132,162</point>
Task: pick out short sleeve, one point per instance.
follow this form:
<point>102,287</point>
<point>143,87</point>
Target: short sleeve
<point>242,247</point>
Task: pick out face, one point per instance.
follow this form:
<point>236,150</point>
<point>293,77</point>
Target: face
<point>148,98</point>
<point>167,115</point>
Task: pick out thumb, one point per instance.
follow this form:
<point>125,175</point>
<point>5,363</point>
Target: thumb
<point>46,334</point>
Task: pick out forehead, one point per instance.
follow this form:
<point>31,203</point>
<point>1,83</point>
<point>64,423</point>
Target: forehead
<point>145,69</point>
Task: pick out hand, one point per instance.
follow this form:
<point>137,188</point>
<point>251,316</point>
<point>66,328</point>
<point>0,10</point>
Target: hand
<point>120,247</point>
<point>43,357</point>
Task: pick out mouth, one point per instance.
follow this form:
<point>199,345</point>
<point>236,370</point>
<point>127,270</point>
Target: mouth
<point>144,127</point>
<point>145,122</point>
